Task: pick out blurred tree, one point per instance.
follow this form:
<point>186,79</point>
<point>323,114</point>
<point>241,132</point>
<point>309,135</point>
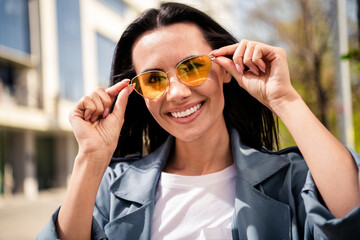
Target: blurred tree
<point>354,52</point>
<point>305,28</point>
<point>354,57</point>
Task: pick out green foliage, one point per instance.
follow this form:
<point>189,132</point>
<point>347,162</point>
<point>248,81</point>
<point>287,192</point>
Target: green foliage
<point>356,120</point>
<point>356,116</point>
<point>285,138</point>
<point>353,54</point>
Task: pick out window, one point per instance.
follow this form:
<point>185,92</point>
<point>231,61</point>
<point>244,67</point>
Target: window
<point>105,50</point>
<point>7,80</point>
<point>117,5</point>
<point>44,155</point>
<point>70,52</point>
<point>14,25</point>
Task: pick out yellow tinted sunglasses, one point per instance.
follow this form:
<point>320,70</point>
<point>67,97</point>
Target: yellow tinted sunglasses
<point>192,71</point>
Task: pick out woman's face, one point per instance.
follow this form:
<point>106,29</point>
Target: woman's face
<point>200,107</point>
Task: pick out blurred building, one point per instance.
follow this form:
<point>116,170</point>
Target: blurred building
<point>52,52</point>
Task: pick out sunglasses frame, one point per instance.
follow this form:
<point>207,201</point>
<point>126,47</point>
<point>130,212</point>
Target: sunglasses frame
<point>167,77</point>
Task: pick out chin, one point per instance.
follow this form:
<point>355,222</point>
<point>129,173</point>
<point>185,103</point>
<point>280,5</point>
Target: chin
<point>188,137</point>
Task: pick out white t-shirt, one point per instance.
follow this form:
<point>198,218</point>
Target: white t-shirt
<point>194,207</point>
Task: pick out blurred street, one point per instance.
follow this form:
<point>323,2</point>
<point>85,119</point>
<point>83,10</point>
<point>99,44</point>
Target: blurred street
<point>22,219</point>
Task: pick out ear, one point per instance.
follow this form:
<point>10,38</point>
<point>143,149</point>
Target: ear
<point>227,77</point>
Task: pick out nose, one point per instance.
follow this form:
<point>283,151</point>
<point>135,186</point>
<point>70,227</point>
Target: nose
<point>178,90</point>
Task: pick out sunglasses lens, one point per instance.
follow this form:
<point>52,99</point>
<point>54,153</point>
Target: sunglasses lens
<point>150,84</point>
<point>194,71</point>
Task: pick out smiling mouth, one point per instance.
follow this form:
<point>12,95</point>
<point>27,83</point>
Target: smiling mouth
<point>187,112</point>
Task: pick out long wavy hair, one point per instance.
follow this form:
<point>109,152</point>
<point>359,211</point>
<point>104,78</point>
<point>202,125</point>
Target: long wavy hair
<point>141,134</point>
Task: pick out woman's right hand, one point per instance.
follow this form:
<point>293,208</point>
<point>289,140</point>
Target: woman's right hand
<point>96,129</point>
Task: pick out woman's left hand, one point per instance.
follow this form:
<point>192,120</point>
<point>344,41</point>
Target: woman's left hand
<point>267,79</point>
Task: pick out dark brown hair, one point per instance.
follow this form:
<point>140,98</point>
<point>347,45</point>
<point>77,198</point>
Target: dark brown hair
<point>141,133</point>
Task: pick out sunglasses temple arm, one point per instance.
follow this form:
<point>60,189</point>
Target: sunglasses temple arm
<point>212,58</point>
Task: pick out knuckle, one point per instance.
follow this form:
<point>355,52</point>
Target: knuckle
<point>256,58</point>
<point>247,61</point>
<point>86,99</point>
<point>104,97</point>
<point>243,41</point>
<point>107,101</point>
<point>90,106</point>
<point>99,110</point>
<point>99,89</point>
<point>237,60</point>
<point>281,50</point>
<point>83,99</point>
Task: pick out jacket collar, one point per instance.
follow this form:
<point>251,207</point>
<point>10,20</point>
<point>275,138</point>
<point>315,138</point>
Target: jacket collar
<point>252,165</point>
<point>138,182</point>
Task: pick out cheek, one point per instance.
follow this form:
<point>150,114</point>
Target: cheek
<point>154,107</point>
<point>215,89</point>
<point>217,81</point>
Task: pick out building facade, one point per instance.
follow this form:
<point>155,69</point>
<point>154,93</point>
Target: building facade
<point>52,52</point>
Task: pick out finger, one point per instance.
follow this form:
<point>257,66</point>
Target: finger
<point>99,108</point>
<point>238,57</point>
<point>105,99</point>
<point>223,51</point>
<point>230,66</point>
<point>257,58</point>
<point>114,90</point>
<point>87,107</point>
<point>248,56</point>
<point>121,102</point>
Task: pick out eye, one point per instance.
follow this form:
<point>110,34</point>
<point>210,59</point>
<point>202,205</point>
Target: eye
<point>155,78</point>
<point>190,66</point>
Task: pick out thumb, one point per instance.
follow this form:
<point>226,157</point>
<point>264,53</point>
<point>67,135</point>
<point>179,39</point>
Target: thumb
<point>121,102</point>
<point>230,66</point>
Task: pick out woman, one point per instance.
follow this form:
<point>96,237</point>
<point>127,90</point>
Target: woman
<point>200,171</point>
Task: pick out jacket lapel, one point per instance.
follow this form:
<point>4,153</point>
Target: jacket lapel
<point>257,215</point>
<point>135,192</point>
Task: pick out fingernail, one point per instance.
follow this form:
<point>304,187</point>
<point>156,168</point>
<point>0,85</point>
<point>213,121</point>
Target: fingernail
<point>213,53</point>
<point>93,119</point>
<point>254,70</point>
<point>87,117</point>
<point>239,69</point>
<point>106,112</point>
<point>262,69</point>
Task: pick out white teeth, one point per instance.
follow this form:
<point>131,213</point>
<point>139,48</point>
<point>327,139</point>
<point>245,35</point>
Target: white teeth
<point>187,112</point>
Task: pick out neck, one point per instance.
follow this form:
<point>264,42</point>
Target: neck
<point>207,154</point>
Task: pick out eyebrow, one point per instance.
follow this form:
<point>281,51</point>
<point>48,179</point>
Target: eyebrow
<point>152,69</point>
<point>159,69</point>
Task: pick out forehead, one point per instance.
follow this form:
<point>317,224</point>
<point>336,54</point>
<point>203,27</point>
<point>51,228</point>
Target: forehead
<point>168,45</point>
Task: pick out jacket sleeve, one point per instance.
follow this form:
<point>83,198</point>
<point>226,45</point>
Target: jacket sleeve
<point>320,223</point>
<point>98,220</point>
<point>100,213</point>
<point>49,231</point>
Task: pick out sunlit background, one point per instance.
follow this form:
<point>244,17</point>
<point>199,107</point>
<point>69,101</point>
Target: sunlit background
<point>52,52</point>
